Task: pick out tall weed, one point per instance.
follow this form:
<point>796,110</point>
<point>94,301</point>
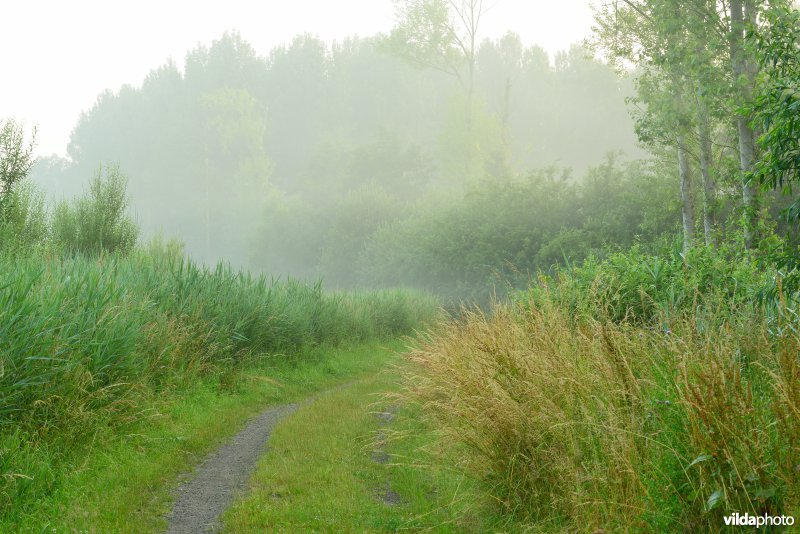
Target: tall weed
<point>643,399</point>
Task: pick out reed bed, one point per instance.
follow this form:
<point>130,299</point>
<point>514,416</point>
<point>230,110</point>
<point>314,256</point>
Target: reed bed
<point>84,341</point>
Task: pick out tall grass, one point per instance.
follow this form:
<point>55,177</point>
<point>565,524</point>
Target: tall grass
<point>83,340</point>
<point>586,413</point>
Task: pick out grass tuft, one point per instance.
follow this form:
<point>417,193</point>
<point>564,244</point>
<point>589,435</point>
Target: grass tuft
<point>643,420</point>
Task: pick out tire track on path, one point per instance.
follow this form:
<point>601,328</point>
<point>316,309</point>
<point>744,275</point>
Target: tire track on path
<point>224,473</point>
<point>200,502</point>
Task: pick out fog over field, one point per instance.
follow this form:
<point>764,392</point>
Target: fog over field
<point>479,265</point>
<point>295,154</point>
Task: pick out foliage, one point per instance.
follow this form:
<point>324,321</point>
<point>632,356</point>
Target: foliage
<point>22,216</point>
<point>648,288</point>
<point>695,80</point>
<point>24,223</point>
<point>97,222</point>
<point>16,158</point>
<point>777,103</point>
<point>427,34</point>
<point>230,131</point>
<point>502,231</point>
<point>354,220</point>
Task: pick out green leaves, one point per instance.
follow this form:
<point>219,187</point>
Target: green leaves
<point>99,221</point>
<point>776,105</point>
<point>16,158</point>
<point>426,35</point>
<point>714,500</point>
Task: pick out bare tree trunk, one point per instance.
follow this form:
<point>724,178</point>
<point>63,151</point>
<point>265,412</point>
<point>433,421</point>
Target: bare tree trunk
<point>506,114</point>
<point>471,155</point>
<point>709,182</point>
<point>742,75</point>
<point>687,194</point>
<point>208,206</point>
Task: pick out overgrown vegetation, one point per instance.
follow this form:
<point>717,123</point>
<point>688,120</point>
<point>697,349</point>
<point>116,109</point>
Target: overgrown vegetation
<point>500,233</point>
<point>97,222</point>
<point>628,357</point>
<point>635,393</point>
<point>93,328</point>
<point>86,339</point>
<point>653,387</point>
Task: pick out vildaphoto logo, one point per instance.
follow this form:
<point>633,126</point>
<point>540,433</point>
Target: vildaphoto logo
<point>747,520</point>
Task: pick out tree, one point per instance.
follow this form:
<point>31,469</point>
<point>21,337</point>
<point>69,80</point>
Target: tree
<point>653,34</point>
<point>742,67</point>
<point>235,169</point>
<point>440,34</point>
<point>700,43</point>
<point>777,103</point>
<point>443,35</point>
<point>16,158</point>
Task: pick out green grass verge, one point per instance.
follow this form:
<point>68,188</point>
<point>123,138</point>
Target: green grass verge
<point>122,481</point>
<point>321,473</point>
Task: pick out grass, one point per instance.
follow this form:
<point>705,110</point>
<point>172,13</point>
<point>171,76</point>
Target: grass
<point>321,473</point>
<point>615,416</point>
<point>89,347</point>
<point>122,483</point>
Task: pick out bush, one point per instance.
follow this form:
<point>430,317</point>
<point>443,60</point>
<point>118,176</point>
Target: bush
<point>23,221</point>
<point>98,222</point>
<point>641,287</point>
<point>22,213</point>
<point>16,158</point>
<point>501,231</point>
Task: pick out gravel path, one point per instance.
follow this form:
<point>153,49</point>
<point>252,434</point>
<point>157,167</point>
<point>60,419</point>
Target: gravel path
<point>200,501</point>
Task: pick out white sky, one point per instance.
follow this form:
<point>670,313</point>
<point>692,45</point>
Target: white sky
<point>56,56</point>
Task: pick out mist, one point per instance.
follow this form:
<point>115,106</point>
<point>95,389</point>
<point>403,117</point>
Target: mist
<point>470,281</point>
<point>311,159</point>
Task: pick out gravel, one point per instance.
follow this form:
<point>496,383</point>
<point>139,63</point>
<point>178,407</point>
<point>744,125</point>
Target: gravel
<point>218,480</point>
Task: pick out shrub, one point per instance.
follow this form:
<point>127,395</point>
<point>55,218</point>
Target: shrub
<point>16,158</point>
<point>98,222</point>
<point>493,237</point>
<point>23,220</point>
<point>643,287</point>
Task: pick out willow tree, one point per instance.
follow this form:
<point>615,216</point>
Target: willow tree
<point>440,34</point>
<point>16,157</point>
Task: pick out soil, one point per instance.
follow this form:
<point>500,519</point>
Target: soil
<point>217,481</point>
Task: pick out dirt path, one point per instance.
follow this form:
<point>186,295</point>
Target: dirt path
<point>200,501</point>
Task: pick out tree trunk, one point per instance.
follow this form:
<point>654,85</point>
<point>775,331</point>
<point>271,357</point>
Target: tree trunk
<point>709,183</point>
<point>208,206</point>
<point>471,155</point>
<point>506,115</point>
<point>742,75</point>
<point>687,195</point>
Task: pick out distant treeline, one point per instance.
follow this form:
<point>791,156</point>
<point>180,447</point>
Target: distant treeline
<point>295,162</point>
